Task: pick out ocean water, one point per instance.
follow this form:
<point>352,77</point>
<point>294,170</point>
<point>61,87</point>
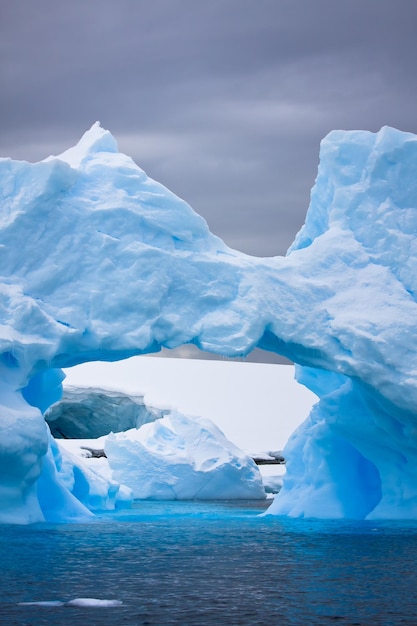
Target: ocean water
<point>210,563</point>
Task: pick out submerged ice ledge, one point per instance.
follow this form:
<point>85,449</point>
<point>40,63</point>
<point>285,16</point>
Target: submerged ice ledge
<point>99,262</point>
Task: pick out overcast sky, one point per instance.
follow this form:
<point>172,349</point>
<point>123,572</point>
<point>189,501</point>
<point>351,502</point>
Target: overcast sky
<point>223,101</point>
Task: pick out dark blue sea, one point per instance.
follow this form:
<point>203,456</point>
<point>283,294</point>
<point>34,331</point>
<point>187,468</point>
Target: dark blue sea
<point>216,563</point>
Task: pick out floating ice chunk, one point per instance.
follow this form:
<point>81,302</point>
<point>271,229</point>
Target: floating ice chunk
<point>81,602</point>
<point>179,458</point>
<point>94,602</point>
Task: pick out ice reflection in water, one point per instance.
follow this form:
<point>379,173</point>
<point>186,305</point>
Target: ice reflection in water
<point>209,563</point>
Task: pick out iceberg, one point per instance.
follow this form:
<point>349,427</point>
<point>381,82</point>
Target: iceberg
<point>144,452</point>
<point>256,405</point>
<point>90,413</point>
<point>79,602</point>
<point>179,458</point>
<point>99,262</point>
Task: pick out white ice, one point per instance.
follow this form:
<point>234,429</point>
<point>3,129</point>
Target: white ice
<point>94,602</point>
<point>81,602</point>
<point>182,458</point>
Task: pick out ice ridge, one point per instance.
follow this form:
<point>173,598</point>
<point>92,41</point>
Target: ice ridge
<point>100,262</point>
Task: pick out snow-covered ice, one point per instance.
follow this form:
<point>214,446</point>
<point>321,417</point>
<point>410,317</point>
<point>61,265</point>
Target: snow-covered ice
<point>94,602</point>
<point>180,458</point>
<point>99,262</point>
<point>175,457</point>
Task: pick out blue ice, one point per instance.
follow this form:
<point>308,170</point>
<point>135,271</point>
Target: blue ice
<point>99,262</point>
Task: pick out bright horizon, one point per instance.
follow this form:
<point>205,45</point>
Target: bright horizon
<point>257,405</point>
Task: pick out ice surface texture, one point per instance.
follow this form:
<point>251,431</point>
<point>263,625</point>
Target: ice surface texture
<point>178,458</point>
<point>89,413</point>
<point>100,262</point>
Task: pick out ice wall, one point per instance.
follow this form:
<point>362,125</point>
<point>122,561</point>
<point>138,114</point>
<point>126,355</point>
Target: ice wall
<point>89,413</point>
<point>99,262</point>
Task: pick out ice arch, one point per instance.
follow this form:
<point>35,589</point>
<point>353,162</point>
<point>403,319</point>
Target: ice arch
<point>98,261</point>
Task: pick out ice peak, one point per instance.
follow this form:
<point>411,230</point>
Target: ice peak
<point>96,139</point>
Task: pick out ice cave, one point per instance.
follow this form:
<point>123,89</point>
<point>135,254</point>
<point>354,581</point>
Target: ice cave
<point>100,262</point>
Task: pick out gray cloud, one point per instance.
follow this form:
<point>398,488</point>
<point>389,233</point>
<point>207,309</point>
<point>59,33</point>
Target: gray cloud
<point>225,102</point>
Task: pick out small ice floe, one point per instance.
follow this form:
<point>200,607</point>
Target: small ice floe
<point>93,602</point>
<point>83,602</point>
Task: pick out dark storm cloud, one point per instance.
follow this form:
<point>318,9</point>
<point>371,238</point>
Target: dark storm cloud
<point>223,101</point>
